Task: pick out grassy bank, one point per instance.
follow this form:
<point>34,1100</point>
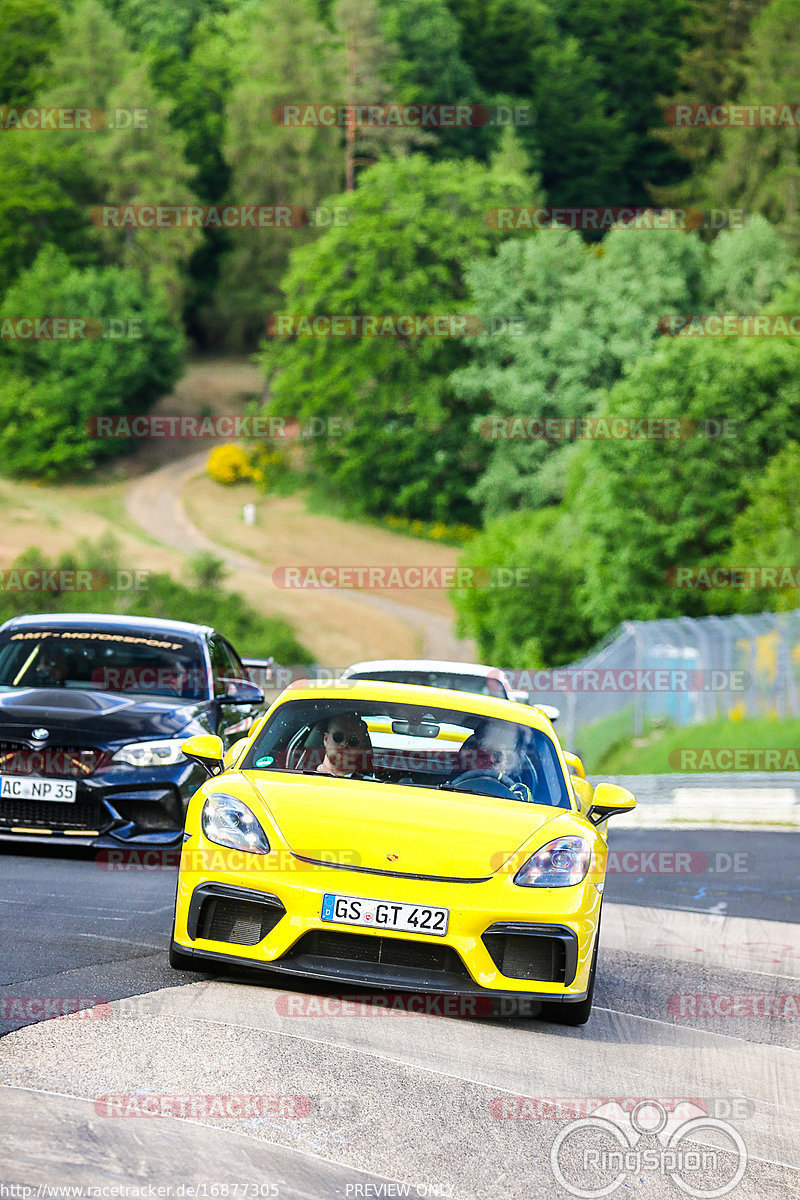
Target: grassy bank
<point>668,750</point>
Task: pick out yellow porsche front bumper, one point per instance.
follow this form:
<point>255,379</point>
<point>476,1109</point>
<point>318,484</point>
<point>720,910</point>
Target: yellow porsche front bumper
<point>265,911</point>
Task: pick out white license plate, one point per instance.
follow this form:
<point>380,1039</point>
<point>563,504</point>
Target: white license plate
<point>27,787</point>
<point>384,914</point>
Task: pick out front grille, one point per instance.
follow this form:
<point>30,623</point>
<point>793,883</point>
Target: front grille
<point>58,762</point>
<point>524,956</point>
<point>243,922</point>
<point>395,952</point>
<point>84,814</point>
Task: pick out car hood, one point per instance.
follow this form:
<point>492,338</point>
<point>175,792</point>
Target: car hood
<point>92,716</point>
<point>405,830</point>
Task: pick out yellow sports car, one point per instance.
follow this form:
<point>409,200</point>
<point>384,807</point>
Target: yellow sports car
<point>411,838</point>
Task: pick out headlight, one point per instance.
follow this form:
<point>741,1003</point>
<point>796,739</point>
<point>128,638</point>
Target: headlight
<point>164,753</point>
<point>229,822</point>
<point>560,863</point>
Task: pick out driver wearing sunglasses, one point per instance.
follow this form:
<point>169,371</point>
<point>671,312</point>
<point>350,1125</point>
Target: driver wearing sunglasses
<point>348,749</point>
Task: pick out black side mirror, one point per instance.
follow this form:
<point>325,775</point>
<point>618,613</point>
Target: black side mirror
<point>239,691</point>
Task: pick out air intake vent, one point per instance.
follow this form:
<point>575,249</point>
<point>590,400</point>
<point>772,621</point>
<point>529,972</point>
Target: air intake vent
<point>242,922</point>
<point>394,952</point>
<point>546,953</point>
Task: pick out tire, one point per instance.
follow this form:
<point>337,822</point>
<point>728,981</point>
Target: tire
<point>575,1014</point>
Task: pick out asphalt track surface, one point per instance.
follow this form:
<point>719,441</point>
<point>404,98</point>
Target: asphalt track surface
<point>690,1006</point>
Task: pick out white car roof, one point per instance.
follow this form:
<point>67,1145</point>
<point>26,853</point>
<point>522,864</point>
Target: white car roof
<point>423,664</point>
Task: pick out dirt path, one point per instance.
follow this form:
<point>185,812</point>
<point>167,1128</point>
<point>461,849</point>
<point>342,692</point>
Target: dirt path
<point>338,626</point>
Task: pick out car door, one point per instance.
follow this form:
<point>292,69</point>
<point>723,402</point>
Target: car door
<point>233,720</point>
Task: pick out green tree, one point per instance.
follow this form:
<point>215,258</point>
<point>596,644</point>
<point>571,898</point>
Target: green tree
<point>758,168</point>
<point>536,622</point>
<point>368,62</point>
<point>407,444</point>
<point>710,71</point>
<point>50,389</point>
<point>767,532</point>
<point>645,506</point>
<point>518,51</point>
<point>128,165</point>
<point>636,45</point>
<point>747,267</point>
<point>280,55</point>
<point>429,68</point>
<point>585,314</point>
<point>54,178</point>
<point>29,31</point>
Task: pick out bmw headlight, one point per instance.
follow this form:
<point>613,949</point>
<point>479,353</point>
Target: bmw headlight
<point>561,863</point>
<point>229,822</point>
<point>165,752</point>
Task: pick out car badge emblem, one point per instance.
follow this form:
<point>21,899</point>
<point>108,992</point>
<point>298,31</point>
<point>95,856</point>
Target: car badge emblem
<point>392,857</point>
<point>40,734</point>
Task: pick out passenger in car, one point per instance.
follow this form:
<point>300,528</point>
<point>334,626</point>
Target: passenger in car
<point>348,748</point>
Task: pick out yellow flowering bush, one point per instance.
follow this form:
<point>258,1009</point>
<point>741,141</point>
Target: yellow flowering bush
<point>229,465</point>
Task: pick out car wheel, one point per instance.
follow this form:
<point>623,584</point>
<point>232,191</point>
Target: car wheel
<point>574,1014</point>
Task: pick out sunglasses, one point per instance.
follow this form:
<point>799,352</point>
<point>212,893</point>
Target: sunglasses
<point>353,740</point>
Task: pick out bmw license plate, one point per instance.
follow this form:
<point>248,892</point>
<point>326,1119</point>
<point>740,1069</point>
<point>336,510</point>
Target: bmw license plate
<point>384,914</point>
<point>26,787</point>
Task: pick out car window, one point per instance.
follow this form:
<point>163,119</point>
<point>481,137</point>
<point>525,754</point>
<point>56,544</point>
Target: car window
<point>102,660</point>
<point>223,665</point>
<point>454,681</point>
<point>411,744</point>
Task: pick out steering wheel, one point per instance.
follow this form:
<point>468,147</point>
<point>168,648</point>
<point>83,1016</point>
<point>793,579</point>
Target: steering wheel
<point>484,773</point>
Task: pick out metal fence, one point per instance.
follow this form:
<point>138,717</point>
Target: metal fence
<point>682,671</point>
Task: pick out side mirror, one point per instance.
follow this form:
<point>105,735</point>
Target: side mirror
<point>240,691</point>
<point>575,765</point>
<point>205,749</point>
<point>234,753</point>
<point>610,799</point>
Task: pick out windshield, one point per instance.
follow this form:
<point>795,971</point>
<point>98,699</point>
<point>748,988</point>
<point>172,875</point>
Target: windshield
<point>425,746</point>
<point>96,660</point>
<point>454,681</point>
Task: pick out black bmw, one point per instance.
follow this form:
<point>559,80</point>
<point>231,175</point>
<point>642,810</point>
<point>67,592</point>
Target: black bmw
<point>93,712</point>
